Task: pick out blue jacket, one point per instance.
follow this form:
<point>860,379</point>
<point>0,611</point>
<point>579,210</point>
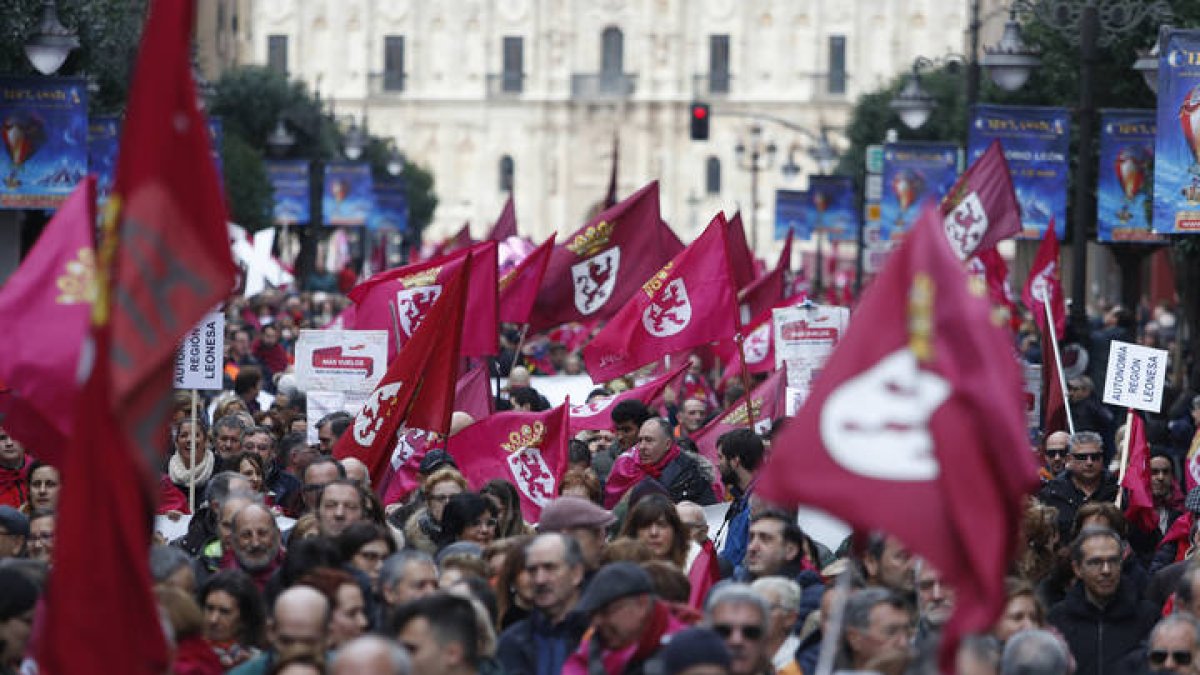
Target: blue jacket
<point>533,646</point>
<point>737,520</point>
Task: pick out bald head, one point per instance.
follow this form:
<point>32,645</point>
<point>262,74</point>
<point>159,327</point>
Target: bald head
<point>300,620</point>
<point>371,654</point>
<point>357,471</point>
<point>1056,451</point>
<point>693,519</point>
<point>518,377</point>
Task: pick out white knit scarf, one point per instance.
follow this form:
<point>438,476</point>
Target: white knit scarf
<point>181,475</point>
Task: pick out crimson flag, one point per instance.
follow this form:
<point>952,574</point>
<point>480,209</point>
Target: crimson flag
<point>981,208</point>
<point>47,300</point>
<point>1044,285</point>
<point>528,450</point>
<point>768,402</point>
<point>418,390</point>
<point>759,342</point>
<point>519,288</point>
<point>604,263</point>
<point>990,271</point>
<point>1140,510</point>
<point>414,288</point>
<point>597,415</point>
<point>767,290</point>
<point>403,474</point>
<point>690,301</point>
<point>1054,404</point>
<point>897,413</point>
<point>704,574</point>
<point>506,224</point>
<point>473,393</point>
<point>741,261</point>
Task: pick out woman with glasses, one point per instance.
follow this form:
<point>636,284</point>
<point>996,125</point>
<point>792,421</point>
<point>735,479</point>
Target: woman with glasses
<point>508,508</point>
<point>469,517</point>
<point>364,546</point>
<point>424,528</point>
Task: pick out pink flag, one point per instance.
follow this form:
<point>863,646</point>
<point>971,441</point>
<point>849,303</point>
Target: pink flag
<point>897,414</point>
<point>981,208</point>
<point>1044,285</point>
<point>597,414</point>
<point>597,269</point>
<point>1140,510</point>
<point>741,262</point>
<point>767,290</point>
<point>413,290</point>
<point>527,449</point>
<point>689,302</point>
<point>519,288</point>
<point>402,475</point>
<point>759,343</point>
<point>989,269</point>
<point>46,304</point>
<point>704,574</point>
<point>473,393</point>
<point>768,402</point>
<point>506,224</point>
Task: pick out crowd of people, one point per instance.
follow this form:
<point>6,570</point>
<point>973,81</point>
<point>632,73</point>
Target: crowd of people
<point>291,564</point>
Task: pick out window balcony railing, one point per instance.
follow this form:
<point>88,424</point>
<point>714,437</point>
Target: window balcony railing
<point>602,85</point>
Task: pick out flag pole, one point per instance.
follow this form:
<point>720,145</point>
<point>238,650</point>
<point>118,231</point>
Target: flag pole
<point>1062,379</point>
<point>837,615</point>
<point>395,323</point>
<point>192,464</point>
<point>517,352</point>
<point>750,421</point>
<point>1124,454</point>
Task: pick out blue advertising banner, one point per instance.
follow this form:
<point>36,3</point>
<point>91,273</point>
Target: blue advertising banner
<point>289,180</point>
<point>391,207</point>
<point>1036,144</point>
<point>104,137</point>
<point>44,125</point>
<point>913,172</point>
<point>791,213</point>
<point>834,210</point>
<point>349,197</point>
<point>1124,208</point>
<point>1177,145</point>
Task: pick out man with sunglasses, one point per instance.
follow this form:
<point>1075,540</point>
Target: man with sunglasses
<point>1084,481</point>
<point>1175,645</point>
<point>1057,453</point>
<point>741,617</point>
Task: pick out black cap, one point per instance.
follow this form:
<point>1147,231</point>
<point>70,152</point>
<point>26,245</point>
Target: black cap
<point>694,647</point>
<point>613,582</point>
<point>434,460</point>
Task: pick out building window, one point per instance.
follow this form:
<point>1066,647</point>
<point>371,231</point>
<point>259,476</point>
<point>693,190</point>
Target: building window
<point>513,75</point>
<point>277,56</point>
<point>718,64</point>
<point>506,173</point>
<point>393,63</point>
<point>837,64</point>
<point>712,176</point>
<point>612,52</point>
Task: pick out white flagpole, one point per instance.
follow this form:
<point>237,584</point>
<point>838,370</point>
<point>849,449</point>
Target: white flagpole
<point>1062,379</point>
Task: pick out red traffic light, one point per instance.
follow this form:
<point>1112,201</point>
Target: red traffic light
<point>700,111</point>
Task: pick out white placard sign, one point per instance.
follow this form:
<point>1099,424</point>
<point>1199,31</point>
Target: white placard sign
<point>340,360</point>
<point>804,338</point>
<point>320,403</point>
<point>1135,376</point>
<point>200,361</point>
<point>1032,394</point>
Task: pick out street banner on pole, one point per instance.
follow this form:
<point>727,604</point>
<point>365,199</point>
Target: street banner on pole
<point>289,180</point>
<point>349,194</point>
<point>45,130</point>
<point>1036,145</point>
<point>792,214</point>
<point>1135,376</point>
<point>834,208</point>
<point>1177,141</point>
<point>391,207</point>
<point>1124,206</point>
<point>104,135</point>
<point>912,172</point>
<point>199,363</point>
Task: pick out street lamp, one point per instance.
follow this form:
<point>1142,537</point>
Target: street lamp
<point>355,142</point>
<point>913,104</point>
<point>1089,25</point>
<point>49,47</point>
<point>759,156</point>
<point>1147,65</point>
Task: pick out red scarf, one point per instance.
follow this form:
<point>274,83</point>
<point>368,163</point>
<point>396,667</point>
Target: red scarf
<point>12,484</point>
<point>629,470</point>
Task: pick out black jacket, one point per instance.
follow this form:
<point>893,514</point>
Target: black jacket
<point>686,479</point>
<point>1100,637</point>
<point>1062,494</point>
<point>524,643</point>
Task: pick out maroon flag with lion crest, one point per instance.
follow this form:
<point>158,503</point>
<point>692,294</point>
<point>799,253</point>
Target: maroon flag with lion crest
<point>981,208</point>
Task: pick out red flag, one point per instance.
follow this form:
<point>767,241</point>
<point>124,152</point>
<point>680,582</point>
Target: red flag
<point>49,297</point>
<point>597,414</point>
<point>990,271</point>
<point>740,259</point>
<point>418,389</point>
<point>527,449</point>
<point>704,574</point>
<point>414,288</point>
<point>403,474</point>
<point>981,208</point>
<point>768,402</point>
<point>603,264</point>
<point>519,288</point>
<point>689,302</point>
<point>770,288</point>
<point>896,414</point>
<point>473,393</point>
<point>1054,406</point>
<point>1044,285</point>
<point>506,224</point>
<point>1140,510</point>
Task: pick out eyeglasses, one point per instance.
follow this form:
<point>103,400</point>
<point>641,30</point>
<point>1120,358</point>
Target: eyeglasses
<point>726,630</point>
<point>1159,656</point>
<point>487,522</point>
<point>439,499</point>
<point>1056,452</point>
<point>1101,563</point>
<point>1088,456</point>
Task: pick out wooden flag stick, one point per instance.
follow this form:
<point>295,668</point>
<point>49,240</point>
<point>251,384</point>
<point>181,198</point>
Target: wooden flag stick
<point>1124,465</point>
<point>1062,379</point>
<point>520,344</point>
<point>192,464</point>
<point>837,615</point>
<point>750,421</point>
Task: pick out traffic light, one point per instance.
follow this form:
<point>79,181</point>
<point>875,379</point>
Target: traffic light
<point>700,115</point>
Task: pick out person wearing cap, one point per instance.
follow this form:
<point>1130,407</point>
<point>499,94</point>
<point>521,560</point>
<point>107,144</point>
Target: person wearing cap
<point>14,530</point>
<point>543,641</point>
<point>423,529</point>
<point>435,458</point>
<point>18,596</point>
<point>695,651</point>
<point>628,622</point>
<point>657,456</point>
<point>583,521</point>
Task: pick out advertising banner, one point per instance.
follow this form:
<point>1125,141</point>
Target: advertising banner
<point>1177,144</point>
<point>912,173</point>
<point>44,126</point>
<point>834,207</point>
<point>791,214</point>
<point>391,207</point>
<point>289,180</point>
<point>341,360</point>
<point>349,195</point>
<point>1036,145</point>
<point>1124,208</point>
<point>200,361</point>
<point>104,136</point>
